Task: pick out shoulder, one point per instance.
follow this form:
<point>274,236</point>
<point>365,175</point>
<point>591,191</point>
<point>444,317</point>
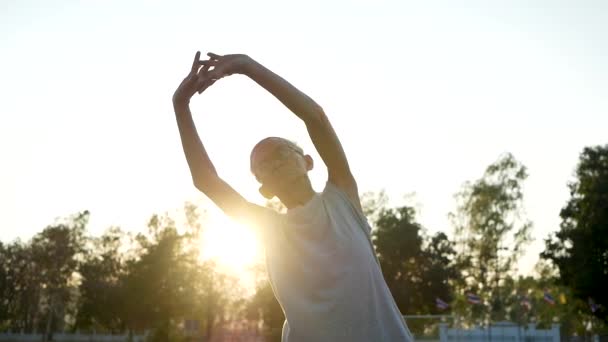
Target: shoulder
<point>345,190</point>
<point>348,189</point>
<point>349,202</point>
<point>261,219</point>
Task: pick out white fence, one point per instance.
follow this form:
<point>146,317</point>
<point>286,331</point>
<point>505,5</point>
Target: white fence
<point>63,337</point>
<point>500,332</point>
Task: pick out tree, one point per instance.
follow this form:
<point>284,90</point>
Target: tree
<point>5,287</point>
<point>417,268</point>
<point>58,251</point>
<point>159,277</point>
<point>580,248</point>
<point>265,308</point>
<point>169,276</point>
<point>573,314</point>
<point>102,299</point>
<point>154,281</point>
<point>21,295</point>
<point>491,234</point>
<point>63,279</point>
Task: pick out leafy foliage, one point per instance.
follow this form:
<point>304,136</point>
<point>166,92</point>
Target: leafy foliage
<point>417,268</point>
<point>491,235</point>
<point>580,248</point>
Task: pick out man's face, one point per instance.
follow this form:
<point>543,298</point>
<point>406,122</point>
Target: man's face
<point>277,166</point>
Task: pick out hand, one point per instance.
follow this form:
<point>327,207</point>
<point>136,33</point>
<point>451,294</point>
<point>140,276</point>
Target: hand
<point>225,65</point>
<point>197,80</point>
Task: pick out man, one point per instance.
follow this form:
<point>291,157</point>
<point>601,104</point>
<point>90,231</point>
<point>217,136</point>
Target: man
<point>319,255</point>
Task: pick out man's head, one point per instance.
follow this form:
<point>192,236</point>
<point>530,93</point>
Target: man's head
<point>280,166</point>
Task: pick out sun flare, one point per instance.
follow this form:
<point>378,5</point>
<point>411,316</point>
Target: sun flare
<point>231,245</point>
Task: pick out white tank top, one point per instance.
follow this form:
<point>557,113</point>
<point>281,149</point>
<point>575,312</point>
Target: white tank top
<point>325,274</point>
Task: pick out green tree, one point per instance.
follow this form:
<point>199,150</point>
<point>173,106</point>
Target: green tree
<point>154,281</point>
<point>417,268</point>
<point>58,250</point>
<point>101,301</point>
<point>4,288</point>
<point>580,248</point>
<point>491,234</point>
<point>265,308</point>
<point>169,276</point>
<point>571,313</point>
<point>21,295</point>
<point>158,286</point>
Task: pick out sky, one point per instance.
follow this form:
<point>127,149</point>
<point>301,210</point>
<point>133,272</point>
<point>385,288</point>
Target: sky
<point>423,95</point>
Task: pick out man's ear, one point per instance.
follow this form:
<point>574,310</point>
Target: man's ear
<point>309,162</point>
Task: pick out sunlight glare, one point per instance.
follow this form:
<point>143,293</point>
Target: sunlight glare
<point>231,245</point>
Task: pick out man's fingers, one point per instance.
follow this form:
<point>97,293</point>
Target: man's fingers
<point>214,55</point>
<point>204,69</point>
<point>196,64</point>
<point>203,81</point>
<point>210,62</point>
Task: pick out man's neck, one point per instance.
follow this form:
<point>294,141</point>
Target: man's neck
<point>302,192</point>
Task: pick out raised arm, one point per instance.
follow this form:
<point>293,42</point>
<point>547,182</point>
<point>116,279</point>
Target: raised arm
<point>204,175</point>
<point>319,128</point>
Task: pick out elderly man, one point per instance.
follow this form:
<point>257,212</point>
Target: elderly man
<point>319,255</point>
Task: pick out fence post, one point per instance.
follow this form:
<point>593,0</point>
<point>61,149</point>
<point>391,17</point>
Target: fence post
<point>443,332</point>
<point>531,331</point>
<point>555,332</point>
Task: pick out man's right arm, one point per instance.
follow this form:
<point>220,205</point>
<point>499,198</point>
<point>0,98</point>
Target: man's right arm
<point>204,175</point>
<point>201,168</point>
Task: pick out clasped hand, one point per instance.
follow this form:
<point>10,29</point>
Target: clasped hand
<point>204,73</point>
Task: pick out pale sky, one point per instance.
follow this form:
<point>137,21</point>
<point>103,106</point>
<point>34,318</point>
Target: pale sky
<point>423,95</point>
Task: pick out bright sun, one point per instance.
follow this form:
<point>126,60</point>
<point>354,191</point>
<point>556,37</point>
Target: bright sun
<point>231,245</point>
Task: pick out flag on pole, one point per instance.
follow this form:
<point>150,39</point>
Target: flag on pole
<point>441,305</point>
<point>473,299</point>
<point>594,307</point>
<point>549,298</point>
<point>525,302</point>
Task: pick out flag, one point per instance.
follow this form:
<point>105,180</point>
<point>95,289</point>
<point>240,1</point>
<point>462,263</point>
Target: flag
<point>549,298</point>
<point>441,305</point>
<point>473,299</point>
<point>562,298</point>
<point>592,305</point>
<point>525,302</point>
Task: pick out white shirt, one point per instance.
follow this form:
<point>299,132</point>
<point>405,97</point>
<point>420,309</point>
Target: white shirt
<point>325,274</point>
